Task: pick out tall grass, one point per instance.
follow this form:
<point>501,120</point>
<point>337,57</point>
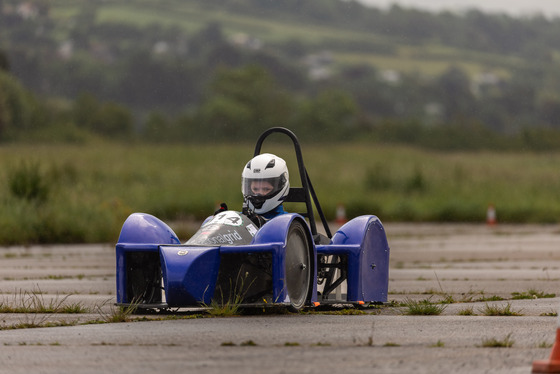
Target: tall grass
<point>93,188</point>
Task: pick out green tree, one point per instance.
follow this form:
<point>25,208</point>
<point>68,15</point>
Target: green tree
<point>4,62</point>
<point>453,90</point>
<point>329,115</point>
<point>157,128</point>
<point>114,120</point>
<point>549,110</point>
<point>109,119</point>
<point>85,109</point>
<point>19,110</point>
<point>244,101</point>
<point>84,24</point>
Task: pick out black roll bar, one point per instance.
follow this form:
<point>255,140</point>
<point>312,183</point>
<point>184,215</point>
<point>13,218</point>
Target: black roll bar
<point>302,194</point>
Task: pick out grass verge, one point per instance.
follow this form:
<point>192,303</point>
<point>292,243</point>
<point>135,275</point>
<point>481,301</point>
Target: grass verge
<point>423,307</point>
<point>499,310</point>
<point>76,194</point>
<point>506,342</point>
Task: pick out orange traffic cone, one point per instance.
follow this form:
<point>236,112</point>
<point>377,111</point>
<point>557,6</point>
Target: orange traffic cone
<point>340,214</point>
<point>551,365</point>
<point>491,215</point>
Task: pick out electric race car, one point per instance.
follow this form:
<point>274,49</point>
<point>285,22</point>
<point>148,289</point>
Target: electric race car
<point>286,261</point>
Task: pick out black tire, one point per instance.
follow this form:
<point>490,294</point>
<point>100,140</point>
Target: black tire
<point>298,266</point>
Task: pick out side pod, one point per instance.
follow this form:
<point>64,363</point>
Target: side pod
<point>137,258</point>
<point>364,242</point>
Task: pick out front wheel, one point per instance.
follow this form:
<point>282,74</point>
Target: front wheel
<point>298,266</point>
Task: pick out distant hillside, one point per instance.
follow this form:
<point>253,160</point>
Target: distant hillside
<point>382,74</point>
<point>408,40</point>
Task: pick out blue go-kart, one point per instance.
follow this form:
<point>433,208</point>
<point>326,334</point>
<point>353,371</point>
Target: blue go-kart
<point>286,261</point>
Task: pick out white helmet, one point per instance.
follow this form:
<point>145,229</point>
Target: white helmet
<point>265,182</point>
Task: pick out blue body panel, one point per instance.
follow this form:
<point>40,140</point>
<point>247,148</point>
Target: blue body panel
<point>364,242</point>
<point>145,228</point>
<point>190,272</point>
<point>140,233</point>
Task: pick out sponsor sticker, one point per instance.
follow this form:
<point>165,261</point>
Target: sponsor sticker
<point>252,229</point>
<point>225,238</point>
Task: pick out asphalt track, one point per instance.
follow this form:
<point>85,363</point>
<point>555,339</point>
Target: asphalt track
<point>472,265</point>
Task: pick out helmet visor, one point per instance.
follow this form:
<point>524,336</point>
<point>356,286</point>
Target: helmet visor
<point>263,187</point>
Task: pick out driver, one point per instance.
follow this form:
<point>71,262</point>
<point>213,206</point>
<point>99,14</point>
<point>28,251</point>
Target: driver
<point>265,184</point>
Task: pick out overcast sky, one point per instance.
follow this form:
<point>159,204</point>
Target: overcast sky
<point>550,8</point>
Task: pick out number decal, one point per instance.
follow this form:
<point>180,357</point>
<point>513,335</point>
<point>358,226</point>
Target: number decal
<point>229,218</point>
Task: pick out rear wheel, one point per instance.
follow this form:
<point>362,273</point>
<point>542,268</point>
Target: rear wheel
<point>298,266</point>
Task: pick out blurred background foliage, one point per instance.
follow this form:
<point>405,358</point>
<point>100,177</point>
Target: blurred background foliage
<point>111,107</point>
<point>182,71</point>
<point>68,193</point>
